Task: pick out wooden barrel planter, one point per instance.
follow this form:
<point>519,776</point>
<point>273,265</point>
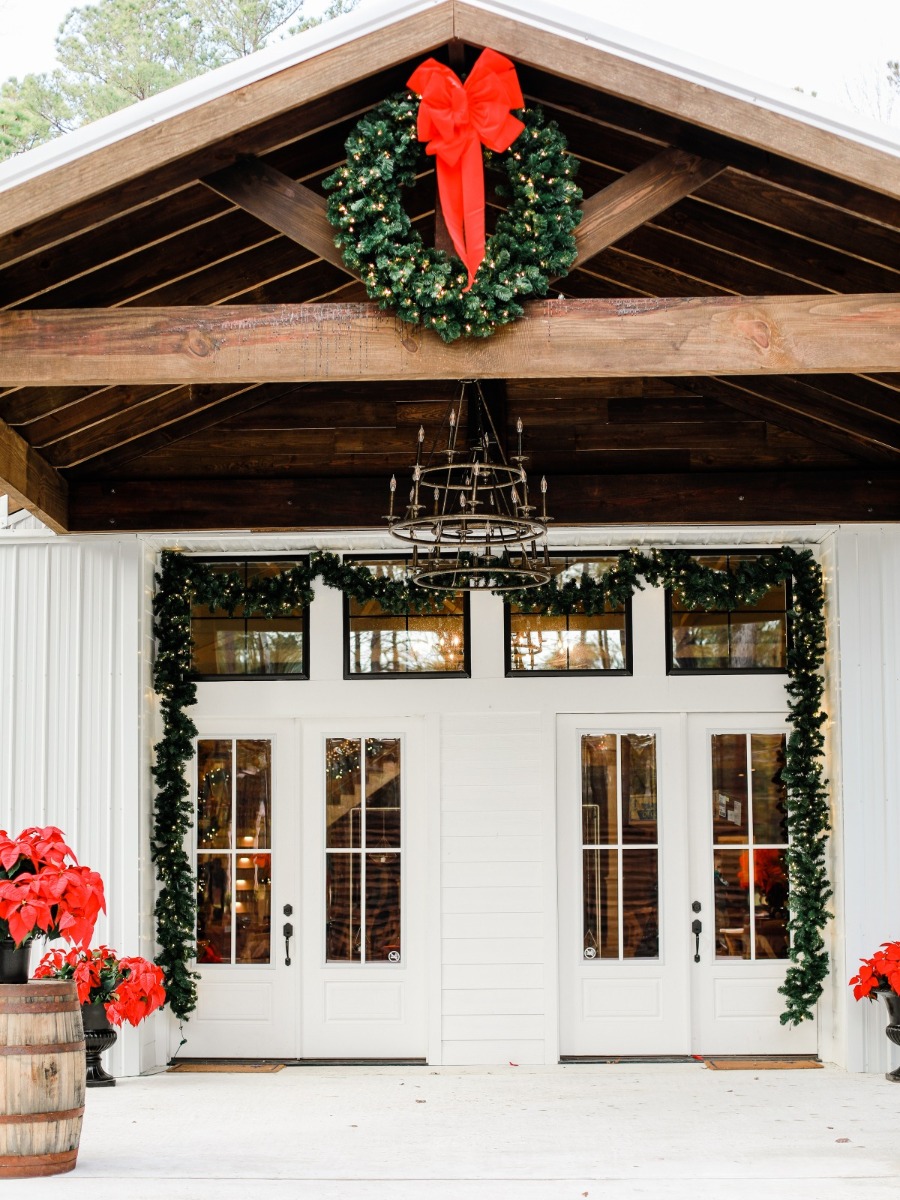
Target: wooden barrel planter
<point>41,1077</point>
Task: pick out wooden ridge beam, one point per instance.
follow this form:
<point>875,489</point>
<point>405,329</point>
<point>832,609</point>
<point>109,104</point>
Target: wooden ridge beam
<point>639,196</point>
<point>765,497</point>
<point>717,335</point>
<point>31,482</point>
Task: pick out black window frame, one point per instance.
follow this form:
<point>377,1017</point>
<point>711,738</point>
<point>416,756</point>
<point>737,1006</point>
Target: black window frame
<point>294,559</point>
<point>689,672</point>
<point>465,673</point>
<point>627,670</point>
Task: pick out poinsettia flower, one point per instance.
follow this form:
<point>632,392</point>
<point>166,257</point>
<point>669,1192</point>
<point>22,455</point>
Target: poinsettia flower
<point>130,988</point>
<point>881,970</point>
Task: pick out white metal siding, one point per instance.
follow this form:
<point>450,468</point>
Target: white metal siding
<point>868,611</point>
<point>70,716</point>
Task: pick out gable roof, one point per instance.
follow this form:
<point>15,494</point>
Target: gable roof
<point>123,213</point>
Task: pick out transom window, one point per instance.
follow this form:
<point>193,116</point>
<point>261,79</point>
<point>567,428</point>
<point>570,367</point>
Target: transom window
<point>363,834</point>
<point>752,637</point>
<point>540,643</point>
<point>379,643</point>
<point>244,645</point>
<point>749,844</point>
<point>234,850</point>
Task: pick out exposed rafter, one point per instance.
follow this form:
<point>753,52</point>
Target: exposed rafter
<point>31,481</point>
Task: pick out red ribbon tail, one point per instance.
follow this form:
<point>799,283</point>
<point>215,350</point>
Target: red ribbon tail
<point>473,208</point>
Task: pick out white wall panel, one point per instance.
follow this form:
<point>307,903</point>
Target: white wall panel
<point>493,934</point>
<point>868,618</point>
<point>71,716</point>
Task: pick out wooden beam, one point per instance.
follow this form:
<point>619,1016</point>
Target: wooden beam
<point>290,207</point>
<point>744,118</point>
<point>767,497</point>
<point>639,196</point>
<point>318,74</point>
<point>719,335</point>
<point>31,482</point>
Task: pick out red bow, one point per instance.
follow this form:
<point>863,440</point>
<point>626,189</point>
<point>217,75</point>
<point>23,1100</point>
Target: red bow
<point>455,119</point>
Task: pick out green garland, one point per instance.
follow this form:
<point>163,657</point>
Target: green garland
<point>533,243</point>
<point>183,581</point>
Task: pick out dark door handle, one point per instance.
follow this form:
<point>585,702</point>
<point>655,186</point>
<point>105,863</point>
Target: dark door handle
<point>696,930</point>
<point>288,933</point>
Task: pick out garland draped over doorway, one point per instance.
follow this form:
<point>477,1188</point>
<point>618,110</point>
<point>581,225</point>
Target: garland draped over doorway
<point>183,581</point>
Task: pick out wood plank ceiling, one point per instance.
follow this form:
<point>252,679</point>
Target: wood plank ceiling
<point>317,454</point>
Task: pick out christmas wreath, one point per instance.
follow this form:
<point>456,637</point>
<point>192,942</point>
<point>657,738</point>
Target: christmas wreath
<point>485,119</point>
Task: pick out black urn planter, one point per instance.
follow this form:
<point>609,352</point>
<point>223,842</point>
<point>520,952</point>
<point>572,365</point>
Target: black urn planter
<point>14,961</point>
<point>892,1003</point>
<point>99,1035</point>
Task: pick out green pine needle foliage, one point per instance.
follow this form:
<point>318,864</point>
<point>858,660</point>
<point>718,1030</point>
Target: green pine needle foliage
<point>534,241</point>
<point>183,581</point>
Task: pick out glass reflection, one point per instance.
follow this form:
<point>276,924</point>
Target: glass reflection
<point>343,792</point>
<point>383,792</point>
<point>767,752</point>
<point>254,789</point>
<point>253,908</point>
<point>342,907</point>
<point>214,776</point>
<point>599,794</point>
<point>382,907</point>
<point>638,787</point>
<point>751,637</point>
<point>382,643</point>
<point>640,903</point>
<point>729,787</point>
<point>214,908</point>
<point>601,903</point>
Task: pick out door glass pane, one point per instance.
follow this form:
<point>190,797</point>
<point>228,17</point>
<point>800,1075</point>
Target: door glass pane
<point>254,777</point>
<point>769,791</point>
<point>214,908</point>
<point>234,885</point>
<point>382,907</point>
<point>253,908</point>
<point>214,775</point>
<point>732,905</point>
<point>362,849</point>
<point>729,787</point>
<point>601,903</point>
<point>638,787</point>
<point>383,792</point>
<point>640,904</point>
<point>599,794</point>
<point>343,792</point>
<point>750,879</point>
<point>620,883</point>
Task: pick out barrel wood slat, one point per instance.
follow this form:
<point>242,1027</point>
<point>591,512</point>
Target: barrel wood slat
<point>42,1078</point>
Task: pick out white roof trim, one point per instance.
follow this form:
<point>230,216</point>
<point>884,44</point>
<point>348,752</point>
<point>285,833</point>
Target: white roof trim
<point>379,14</point>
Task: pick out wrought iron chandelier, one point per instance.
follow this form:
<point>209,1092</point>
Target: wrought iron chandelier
<point>469,519</point>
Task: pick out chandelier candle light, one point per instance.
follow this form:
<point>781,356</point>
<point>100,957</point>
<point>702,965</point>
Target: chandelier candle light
<point>468,511</point>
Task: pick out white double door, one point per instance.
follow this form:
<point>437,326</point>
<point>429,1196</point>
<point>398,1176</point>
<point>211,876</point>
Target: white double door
<point>671,886</point>
<point>309,846</point>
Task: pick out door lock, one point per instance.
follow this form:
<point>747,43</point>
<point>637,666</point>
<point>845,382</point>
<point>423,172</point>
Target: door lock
<point>288,933</point>
<point>696,930</point>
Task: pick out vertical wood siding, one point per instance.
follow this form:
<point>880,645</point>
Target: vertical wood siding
<point>71,716</point>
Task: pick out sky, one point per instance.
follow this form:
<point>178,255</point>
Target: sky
<point>825,46</point>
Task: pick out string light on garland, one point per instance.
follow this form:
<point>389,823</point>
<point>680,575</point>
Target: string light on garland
<point>533,241</point>
<point>183,581</point>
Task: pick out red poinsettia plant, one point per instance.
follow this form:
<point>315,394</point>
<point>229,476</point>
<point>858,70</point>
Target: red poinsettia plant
<point>44,891</point>
<point>882,970</point>
<point>130,989</point>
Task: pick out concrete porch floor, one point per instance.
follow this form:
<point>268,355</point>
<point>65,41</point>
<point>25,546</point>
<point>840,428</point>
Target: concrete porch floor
<point>665,1131</point>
